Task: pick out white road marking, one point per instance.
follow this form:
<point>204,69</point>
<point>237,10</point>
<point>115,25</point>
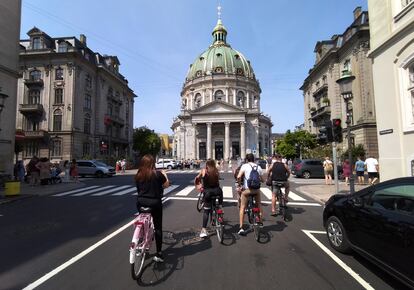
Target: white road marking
<point>93,190</point>
<point>186,191</point>
<point>267,192</point>
<point>124,191</point>
<point>170,188</point>
<point>79,256</point>
<point>74,191</point>
<point>295,197</point>
<point>344,266</point>
<point>229,171</point>
<point>227,192</point>
<point>111,190</point>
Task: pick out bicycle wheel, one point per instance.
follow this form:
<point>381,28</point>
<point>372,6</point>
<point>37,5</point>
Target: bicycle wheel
<point>256,228</point>
<point>219,228</point>
<point>200,202</point>
<point>138,265</point>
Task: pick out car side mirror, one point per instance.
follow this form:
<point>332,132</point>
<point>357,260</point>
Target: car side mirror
<point>357,201</point>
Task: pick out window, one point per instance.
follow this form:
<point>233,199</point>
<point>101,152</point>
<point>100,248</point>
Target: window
<point>197,101</point>
<point>63,47</point>
<point>398,197</point>
<point>218,69</point>
<point>88,102</point>
<point>199,73</point>
<point>405,2</point>
<point>35,75</point>
<point>110,108</point>
<point>240,99</point>
<point>219,95</point>
<point>88,81</point>
<point>87,124</point>
<point>58,96</point>
<point>86,149</point>
<point>57,120</point>
<point>110,92</point>
<point>31,149</point>
<point>117,111</point>
<point>56,147</point>
<point>240,71</point>
<point>37,43</point>
<point>347,65</point>
<point>59,74</point>
<point>34,97</point>
<point>32,125</point>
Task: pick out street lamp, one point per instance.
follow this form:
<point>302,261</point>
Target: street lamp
<point>345,87</point>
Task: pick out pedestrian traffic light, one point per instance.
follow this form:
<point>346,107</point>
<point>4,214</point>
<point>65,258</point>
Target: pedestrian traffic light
<point>337,130</point>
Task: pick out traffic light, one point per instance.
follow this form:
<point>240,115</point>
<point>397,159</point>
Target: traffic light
<point>322,136</point>
<point>329,135</point>
<point>337,130</point>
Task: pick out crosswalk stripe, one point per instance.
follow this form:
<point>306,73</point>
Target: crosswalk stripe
<point>229,171</point>
<point>227,192</point>
<point>295,197</point>
<point>74,191</point>
<point>186,191</point>
<point>170,188</point>
<point>267,192</point>
<point>110,190</point>
<point>131,189</point>
<point>92,190</point>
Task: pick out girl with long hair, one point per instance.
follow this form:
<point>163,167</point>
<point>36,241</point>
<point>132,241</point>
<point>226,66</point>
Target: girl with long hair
<point>150,188</point>
<point>209,179</point>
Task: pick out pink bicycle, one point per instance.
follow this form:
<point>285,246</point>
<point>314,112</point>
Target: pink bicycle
<point>141,241</point>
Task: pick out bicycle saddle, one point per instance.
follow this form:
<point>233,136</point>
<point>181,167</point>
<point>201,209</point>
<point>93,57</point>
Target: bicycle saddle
<point>143,209</point>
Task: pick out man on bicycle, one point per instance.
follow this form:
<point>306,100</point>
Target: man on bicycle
<point>280,173</point>
<point>246,190</point>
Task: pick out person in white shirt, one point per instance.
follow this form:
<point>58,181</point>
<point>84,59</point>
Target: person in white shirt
<point>372,168</point>
<point>244,173</point>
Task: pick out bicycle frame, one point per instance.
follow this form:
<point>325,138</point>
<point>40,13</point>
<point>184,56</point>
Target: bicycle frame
<point>143,233</point>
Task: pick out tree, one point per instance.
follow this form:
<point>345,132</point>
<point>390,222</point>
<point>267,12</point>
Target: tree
<point>293,144</point>
<point>356,151</point>
<point>145,141</point>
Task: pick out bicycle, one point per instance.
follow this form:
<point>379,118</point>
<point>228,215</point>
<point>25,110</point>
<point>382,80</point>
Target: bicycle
<point>280,198</point>
<point>141,241</point>
<point>217,218</point>
<point>253,214</point>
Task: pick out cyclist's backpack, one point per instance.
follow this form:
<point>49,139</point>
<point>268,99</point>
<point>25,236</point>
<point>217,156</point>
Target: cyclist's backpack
<point>254,179</point>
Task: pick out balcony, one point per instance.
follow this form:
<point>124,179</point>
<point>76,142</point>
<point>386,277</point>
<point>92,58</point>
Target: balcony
<point>320,112</point>
<point>31,109</point>
<point>115,120</point>
<point>320,90</point>
<point>33,83</point>
<point>39,134</point>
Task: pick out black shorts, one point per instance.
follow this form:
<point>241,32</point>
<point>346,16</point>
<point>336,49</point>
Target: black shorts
<point>360,173</point>
<point>372,174</point>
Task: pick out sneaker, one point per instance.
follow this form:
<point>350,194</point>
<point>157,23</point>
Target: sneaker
<point>159,258</point>
<point>241,232</point>
<point>203,233</point>
<point>274,213</point>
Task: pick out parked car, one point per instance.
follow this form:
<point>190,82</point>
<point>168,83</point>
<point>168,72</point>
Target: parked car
<point>165,164</point>
<point>262,163</point>
<point>378,223</point>
<point>94,167</point>
<point>308,168</point>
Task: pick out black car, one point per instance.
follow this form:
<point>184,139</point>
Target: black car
<point>308,168</point>
<point>378,223</point>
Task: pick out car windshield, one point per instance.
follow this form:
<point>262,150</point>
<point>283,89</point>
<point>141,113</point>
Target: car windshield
<point>98,163</point>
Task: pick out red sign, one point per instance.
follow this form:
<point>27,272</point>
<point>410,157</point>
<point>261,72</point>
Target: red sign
<point>107,120</point>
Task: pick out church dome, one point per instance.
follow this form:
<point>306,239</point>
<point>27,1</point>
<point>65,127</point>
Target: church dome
<point>220,58</point>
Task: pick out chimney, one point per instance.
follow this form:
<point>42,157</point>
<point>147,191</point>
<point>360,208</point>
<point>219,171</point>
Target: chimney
<point>357,12</point>
<point>83,39</point>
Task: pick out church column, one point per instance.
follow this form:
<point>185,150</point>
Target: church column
<point>195,140</point>
<point>257,140</point>
<point>174,152</point>
<point>248,100</point>
<point>204,97</point>
<point>243,140</point>
<point>234,97</point>
<point>208,145</point>
<point>226,141</point>
<point>227,95</point>
<point>179,144</point>
<point>212,95</point>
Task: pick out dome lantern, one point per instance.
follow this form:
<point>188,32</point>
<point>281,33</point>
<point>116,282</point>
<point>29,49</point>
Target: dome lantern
<point>219,34</point>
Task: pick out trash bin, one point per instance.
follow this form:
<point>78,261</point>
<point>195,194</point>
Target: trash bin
<point>12,188</point>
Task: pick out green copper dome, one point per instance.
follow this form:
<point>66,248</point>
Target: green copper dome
<point>220,58</point>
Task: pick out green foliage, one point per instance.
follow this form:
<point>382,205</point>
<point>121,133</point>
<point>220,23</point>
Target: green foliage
<point>320,152</point>
<point>356,151</point>
<point>291,142</point>
<point>145,141</point>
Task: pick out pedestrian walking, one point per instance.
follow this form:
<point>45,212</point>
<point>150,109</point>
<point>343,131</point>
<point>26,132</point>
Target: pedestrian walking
<point>360,170</point>
<point>74,170</point>
<point>44,170</point>
<point>346,170</point>
<point>372,168</point>
<point>123,165</point>
<point>33,171</point>
<point>66,167</point>
<point>328,169</point>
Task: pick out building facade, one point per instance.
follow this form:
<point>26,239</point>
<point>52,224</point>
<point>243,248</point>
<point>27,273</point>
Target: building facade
<point>10,11</point>
<point>220,114</point>
<point>322,99</point>
<point>72,102</point>
<point>392,52</point>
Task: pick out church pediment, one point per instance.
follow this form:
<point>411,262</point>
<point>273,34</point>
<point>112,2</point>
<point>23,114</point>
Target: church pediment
<point>218,107</point>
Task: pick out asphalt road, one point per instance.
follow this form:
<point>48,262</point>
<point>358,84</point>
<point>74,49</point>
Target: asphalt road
<point>43,239</point>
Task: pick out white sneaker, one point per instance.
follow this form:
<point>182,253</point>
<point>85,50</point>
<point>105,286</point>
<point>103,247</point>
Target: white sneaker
<point>203,233</point>
<point>241,232</point>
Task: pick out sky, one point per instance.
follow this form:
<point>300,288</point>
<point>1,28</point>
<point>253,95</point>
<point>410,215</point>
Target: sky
<point>157,40</point>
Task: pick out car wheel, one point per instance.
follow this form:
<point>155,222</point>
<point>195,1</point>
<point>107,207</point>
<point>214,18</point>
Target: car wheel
<point>306,174</point>
<point>337,235</point>
<point>169,167</point>
<point>99,174</point>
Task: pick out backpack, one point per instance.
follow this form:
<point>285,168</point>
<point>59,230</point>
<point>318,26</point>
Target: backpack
<point>254,179</point>
<point>328,166</point>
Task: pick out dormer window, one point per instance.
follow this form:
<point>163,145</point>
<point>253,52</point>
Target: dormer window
<point>198,73</point>
<point>36,43</point>
<point>218,69</point>
<point>237,56</point>
<point>63,47</point>
<point>219,54</point>
<point>201,58</point>
<point>239,71</point>
<point>59,74</point>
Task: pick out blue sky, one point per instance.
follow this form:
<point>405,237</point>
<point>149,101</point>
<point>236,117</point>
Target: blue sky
<point>157,40</point>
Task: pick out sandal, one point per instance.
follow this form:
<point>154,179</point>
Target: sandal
<point>274,213</point>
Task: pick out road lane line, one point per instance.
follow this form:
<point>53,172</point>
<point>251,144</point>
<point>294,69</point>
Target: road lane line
<point>267,192</point>
<point>110,190</point>
<point>186,191</point>
<point>79,256</point>
<point>93,190</point>
<point>344,266</point>
<point>295,197</point>
<point>170,188</point>
<point>132,189</point>
<point>227,192</point>
<point>74,191</point>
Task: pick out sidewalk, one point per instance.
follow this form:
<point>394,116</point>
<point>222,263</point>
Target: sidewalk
<point>26,191</point>
<point>322,192</point>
